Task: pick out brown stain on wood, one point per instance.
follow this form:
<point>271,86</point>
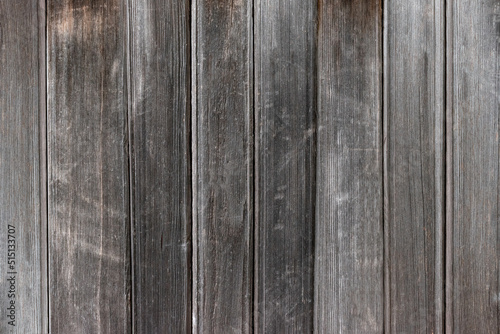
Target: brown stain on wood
<point>362,14</point>
<point>84,19</point>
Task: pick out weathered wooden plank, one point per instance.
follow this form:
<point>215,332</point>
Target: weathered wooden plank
<point>414,193</point>
<point>22,282</point>
<point>223,154</point>
<point>160,92</point>
<point>473,104</point>
<point>285,101</point>
<point>43,177</point>
<point>89,240</point>
<point>349,235</point>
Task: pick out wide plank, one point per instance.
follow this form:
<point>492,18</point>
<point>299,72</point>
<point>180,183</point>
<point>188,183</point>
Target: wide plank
<point>223,166</point>
<point>349,242</point>
<point>473,249</point>
<point>285,103</point>
<point>23,283</point>
<point>414,151</point>
<point>88,204</point>
<point>160,76</point>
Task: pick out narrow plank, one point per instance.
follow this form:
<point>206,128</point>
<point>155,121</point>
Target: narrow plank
<point>414,114</point>
<point>43,177</point>
<point>22,280</point>
<point>224,166</point>
<point>160,92</point>
<point>473,104</point>
<point>349,235</point>
<point>285,101</point>
<point>89,240</point>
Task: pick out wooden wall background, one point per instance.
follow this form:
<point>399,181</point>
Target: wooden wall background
<point>250,166</point>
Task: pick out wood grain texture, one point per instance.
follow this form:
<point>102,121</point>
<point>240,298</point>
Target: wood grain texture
<point>285,101</point>
<point>414,114</point>
<point>349,236</point>
<point>89,226</point>
<point>474,91</point>
<point>20,192</point>
<point>224,167</point>
<point>160,90</point>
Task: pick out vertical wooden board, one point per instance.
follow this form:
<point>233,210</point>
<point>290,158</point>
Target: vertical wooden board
<point>160,89</point>
<point>224,166</point>
<point>89,226</point>
<point>414,114</point>
<point>474,92</point>
<point>349,236</point>
<point>22,280</point>
<point>285,101</point>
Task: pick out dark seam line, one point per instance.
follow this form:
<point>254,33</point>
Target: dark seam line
<point>254,283</point>
<point>444,170</point>
<point>385,156</point>
<point>43,138</point>
<point>189,166</point>
<point>133,306</point>
<point>194,172</point>
<point>448,316</point>
<point>314,158</point>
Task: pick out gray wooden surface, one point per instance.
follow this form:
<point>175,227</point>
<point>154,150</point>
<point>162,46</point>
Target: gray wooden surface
<point>88,215</point>
<point>414,192</point>
<point>349,235</point>
<point>223,164</point>
<point>161,196</point>
<point>285,106</point>
<point>23,276</point>
<point>250,166</point>
<point>473,38</point>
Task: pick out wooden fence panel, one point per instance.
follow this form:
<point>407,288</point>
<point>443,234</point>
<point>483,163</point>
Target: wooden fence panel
<point>206,166</point>
<point>89,227</point>
<point>285,104</point>
<point>223,167</point>
<point>349,236</point>
<point>414,152</point>
<point>160,135</point>
<point>23,285</point>
<point>473,248</point>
